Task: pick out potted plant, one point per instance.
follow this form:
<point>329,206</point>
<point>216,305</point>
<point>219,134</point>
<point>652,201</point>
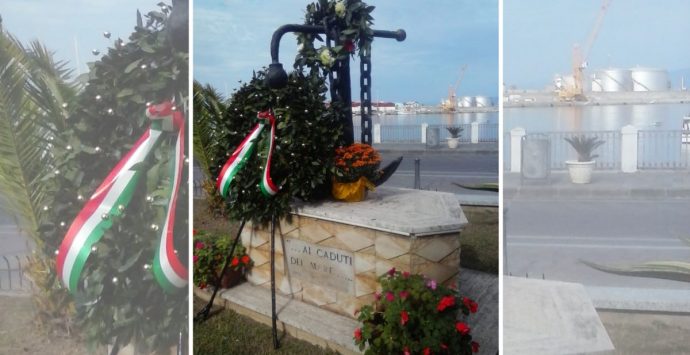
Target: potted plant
<point>210,252</point>
<point>581,169</point>
<point>415,315</point>
<point>454,139</point>
<point>356,166</point>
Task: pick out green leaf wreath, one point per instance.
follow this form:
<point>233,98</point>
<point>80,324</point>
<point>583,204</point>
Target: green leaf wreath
<point>119,302</point>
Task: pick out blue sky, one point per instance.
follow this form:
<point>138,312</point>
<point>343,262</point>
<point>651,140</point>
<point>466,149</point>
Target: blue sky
<point>58,23</point>
<point>538,37</point>
<point>232,37</point>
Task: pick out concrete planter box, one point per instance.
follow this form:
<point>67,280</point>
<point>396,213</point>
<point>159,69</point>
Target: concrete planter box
<point>453,142</point>
<point>580,171</point>
<point>331,254</point>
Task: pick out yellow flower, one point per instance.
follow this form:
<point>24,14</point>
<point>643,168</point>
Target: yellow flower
<point>326,57</point>
<point>340,8</point>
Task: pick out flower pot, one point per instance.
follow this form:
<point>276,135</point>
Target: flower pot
<point>231,278</point>
<point>352,191</point>
<point>580,171</point>
<point>453,142</point>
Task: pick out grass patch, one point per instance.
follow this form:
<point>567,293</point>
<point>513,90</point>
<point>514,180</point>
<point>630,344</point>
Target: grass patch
<point>479,239</point>
<point>230,333</point>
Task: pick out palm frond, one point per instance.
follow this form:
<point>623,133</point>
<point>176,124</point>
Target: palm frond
<point>32,94</point>
<point>209,108</point>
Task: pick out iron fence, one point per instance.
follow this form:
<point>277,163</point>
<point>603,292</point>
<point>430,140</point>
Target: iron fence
<point>401,133</point>
<point>609,154</point>
<point>488,132</point>
<point>464,134</point>
<point>506,152</point>
<point>12,273</point>
<point>661,150</point>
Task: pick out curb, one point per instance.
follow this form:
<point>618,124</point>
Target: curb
<point>640,299</point>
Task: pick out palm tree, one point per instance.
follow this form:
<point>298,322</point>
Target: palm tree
<point>34,100</point>
<point>34,97</point>
<point>209,109</point>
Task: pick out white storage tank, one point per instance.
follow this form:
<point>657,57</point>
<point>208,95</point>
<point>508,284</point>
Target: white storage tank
<point>615,80</point>
<point>650,79</point>
<point>595,83</point>
<point>482,101</point>
<point>466,101</point>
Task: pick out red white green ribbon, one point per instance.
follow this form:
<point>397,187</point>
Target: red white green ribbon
<point>242,153</point>
<point>112,197</point>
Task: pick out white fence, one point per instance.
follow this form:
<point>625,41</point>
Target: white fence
<point>627,150</point>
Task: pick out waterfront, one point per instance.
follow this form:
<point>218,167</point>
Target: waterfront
<point>658,117</point>
<point>445,119</point>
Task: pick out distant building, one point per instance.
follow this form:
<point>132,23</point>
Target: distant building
<point>379,107</point>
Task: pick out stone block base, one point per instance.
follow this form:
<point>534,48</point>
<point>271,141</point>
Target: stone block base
<point>334,263</point>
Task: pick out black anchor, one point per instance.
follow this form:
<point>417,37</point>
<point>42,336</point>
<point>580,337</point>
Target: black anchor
<point>276,78</point>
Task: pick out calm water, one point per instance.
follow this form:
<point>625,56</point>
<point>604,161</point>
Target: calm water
<point>433,119</point>
<point>596,118</point>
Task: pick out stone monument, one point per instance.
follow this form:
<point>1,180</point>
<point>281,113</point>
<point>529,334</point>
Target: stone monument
<point>330,254</point>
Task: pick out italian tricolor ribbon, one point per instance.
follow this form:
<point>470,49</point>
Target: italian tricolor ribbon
<point>242,153</point>
<point>112,197</point>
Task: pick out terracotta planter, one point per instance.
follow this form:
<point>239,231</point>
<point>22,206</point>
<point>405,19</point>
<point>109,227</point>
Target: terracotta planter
<point>580,171</point>
<point>231,278</point>
<point>453,142</point>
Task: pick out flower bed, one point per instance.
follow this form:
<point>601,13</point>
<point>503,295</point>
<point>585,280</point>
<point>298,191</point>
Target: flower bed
<point>415,315</point>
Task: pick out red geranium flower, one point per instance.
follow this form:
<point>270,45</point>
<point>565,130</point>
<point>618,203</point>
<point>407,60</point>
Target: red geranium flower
<point>475,347</point>
<point>447,301</point>
<point>404,294</point>
<point>358,334</point>
<point>390,296</point>
<point>472,305</point>
<point>235,261</point>
<point>391,272</point>
<point>406,351</point>
<point>406,274</point>
<point>200,245</point>
<point>195,258</point>
<point>404,317</point>
<point>427,351</point>
<point>462,328</point>
<point>245,259</point>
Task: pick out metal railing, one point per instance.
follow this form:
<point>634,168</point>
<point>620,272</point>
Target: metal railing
<point>401,133</point>
<point>506,152</point>
<point>487,133</point>
<point>609,153</point>
<point>661,150</point>
<point>464,135</point>
<point>12,273</point>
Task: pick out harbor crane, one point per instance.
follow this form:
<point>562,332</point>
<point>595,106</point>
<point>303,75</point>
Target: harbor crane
<point>451,104</point>
<point>575,90</point>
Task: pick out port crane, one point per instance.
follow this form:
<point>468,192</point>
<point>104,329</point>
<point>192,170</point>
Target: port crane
<point>574,90</point>
<point>451,104</point>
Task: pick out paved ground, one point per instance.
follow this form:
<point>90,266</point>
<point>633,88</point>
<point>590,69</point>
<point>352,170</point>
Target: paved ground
<point>619,219</point>
<point>483,288</point>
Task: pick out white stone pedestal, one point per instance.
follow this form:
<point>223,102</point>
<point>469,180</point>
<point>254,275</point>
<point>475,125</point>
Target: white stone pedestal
<point>331,254</point>
<point>550,317</point>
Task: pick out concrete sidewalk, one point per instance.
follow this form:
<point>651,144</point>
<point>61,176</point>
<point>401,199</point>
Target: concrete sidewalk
<point>606,185</point>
